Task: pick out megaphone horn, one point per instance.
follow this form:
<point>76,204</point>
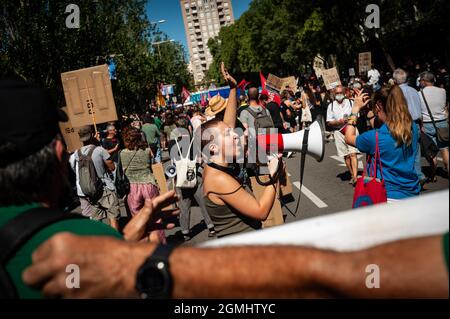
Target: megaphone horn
<point>171,171</point>
<point>293,142</point>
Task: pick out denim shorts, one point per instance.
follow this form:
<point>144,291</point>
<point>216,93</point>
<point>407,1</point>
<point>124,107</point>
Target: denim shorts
<point>431,132</point>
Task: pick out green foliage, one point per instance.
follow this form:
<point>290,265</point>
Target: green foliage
<point>36,45</point>
<point>284,36</point>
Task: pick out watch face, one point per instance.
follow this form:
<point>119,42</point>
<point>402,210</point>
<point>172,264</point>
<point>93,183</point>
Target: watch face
<point>153,280</point>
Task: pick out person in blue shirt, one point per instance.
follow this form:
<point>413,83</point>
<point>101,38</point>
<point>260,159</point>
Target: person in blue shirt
<point>397,140</point>
<point>414,106</point>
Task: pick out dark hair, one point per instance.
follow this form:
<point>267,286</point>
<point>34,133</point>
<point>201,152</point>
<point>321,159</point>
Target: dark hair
<point>29,180</point>
<point>310,95</point>
<point>133,140</point>
<point>253,94</point>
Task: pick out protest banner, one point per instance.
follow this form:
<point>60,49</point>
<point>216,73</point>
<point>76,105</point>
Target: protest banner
<point>70,135</point>
<point>365,62</point>
<point>89,96</point>
<point>331,78</point>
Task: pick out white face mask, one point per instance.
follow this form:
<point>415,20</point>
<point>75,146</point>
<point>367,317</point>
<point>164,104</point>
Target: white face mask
<point>340,97</point>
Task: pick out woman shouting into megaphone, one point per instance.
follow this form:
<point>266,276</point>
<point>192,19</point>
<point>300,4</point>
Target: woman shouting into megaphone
<point>231,207</point>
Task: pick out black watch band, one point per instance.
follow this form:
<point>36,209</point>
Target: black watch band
<point>154,280</point>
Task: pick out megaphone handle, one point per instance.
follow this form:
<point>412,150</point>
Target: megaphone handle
<point>272,180</point>
<point>302,166</point>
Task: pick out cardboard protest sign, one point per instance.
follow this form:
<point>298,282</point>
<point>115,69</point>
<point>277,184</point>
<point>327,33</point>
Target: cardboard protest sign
<point>274,83</point>
<point>289,83</point>
<point>89,96</point>
<point>70,134</point>
<point>158,172</point>
<point>331,78</point>
<point>365,62</point>
<point>275,217</point>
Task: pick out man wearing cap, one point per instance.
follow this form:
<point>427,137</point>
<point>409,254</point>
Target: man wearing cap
<point>106,209</point>
<point>33,172</point>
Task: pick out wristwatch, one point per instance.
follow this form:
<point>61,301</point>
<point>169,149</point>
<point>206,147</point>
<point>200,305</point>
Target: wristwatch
<point>154,280</point>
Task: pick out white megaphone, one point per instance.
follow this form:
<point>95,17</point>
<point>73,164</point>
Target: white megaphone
<point>293,142</point>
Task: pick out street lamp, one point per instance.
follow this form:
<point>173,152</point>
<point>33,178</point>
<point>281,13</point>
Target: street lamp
<point>161,42</point>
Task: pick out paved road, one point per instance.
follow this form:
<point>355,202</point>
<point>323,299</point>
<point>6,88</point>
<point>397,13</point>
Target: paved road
<point>326,191</point>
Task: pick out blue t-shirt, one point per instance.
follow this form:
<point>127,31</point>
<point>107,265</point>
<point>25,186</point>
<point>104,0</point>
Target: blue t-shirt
<point>397,161</point>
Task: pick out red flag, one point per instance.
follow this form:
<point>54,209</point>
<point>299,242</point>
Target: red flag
<point>263,80</point>
<point>243,84</point>
<point>185,94</point>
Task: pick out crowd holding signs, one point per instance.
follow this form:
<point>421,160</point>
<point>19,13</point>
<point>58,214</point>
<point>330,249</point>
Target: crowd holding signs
<point>234,198</point>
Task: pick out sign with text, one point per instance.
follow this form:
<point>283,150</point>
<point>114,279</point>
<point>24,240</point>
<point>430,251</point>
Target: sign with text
<point>365,62</point>
<point>274,83</point>
<point>70,134</point>
<point>89,96</point>
<point>331,78</point>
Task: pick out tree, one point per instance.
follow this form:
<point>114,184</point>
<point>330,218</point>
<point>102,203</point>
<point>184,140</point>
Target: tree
<point>36,45</point>
<point>283,36</point>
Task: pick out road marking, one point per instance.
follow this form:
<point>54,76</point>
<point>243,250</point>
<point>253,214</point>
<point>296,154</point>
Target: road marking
<point>316,200</point>
<point>342,161</point>
<point>440,159</point>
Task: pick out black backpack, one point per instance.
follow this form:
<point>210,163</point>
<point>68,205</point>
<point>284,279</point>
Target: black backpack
<point>17,232</point>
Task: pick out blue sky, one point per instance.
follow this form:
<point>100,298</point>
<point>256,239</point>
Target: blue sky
<point>170,11</point>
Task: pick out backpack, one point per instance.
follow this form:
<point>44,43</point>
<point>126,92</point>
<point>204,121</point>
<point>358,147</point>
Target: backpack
<point>186,169</point>
<point>262,119</point>
<point>91,185</point>
<point>17,232</point>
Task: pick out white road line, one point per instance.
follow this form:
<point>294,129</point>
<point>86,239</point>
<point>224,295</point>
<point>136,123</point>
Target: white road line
<point>316,200</point>
<point>341,160</point>
<point>440,159</point>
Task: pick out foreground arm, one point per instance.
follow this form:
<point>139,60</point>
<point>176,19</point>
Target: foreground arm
<point>413,268</point>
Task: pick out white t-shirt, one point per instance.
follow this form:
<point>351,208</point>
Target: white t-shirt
<point>436,98</point>
<point>374,76</point>
<point>338,111</point>
<point>98,157</point>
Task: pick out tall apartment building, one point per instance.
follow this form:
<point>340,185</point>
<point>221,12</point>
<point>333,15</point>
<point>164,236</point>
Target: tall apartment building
<point>202,21</point>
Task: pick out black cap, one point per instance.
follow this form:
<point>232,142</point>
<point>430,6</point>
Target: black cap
<point>28,120</point>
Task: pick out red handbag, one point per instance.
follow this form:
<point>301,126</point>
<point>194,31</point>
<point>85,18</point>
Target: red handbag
<point>370,190</point>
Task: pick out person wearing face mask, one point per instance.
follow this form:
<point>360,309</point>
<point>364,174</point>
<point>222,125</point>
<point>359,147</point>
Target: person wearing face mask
<point>338,112</point>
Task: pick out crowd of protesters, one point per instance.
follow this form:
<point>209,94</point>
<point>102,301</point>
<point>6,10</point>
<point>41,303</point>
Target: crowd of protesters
<point>378,111</point>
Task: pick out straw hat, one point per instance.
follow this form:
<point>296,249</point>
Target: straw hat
<point>216,105</point>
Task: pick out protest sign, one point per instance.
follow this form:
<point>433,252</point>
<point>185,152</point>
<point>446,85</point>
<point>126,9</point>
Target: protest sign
<point>274,83</point>
<point>289,83</point>
<point>365,62</point>
<point>70,134</point>
<point>331,78</point>
<point>89,96</point>
<point>351,72</point>
<point>275,217</point>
